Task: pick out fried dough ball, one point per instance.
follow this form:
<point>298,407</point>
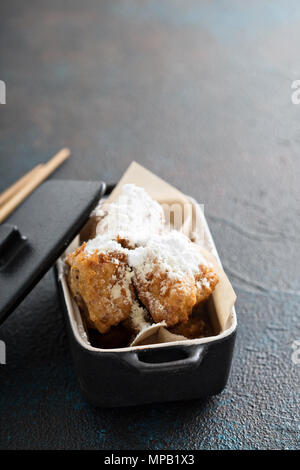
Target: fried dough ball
<point>166,299</point>
<point>100,282</point>
<point>132,218</point>
<point>171,277</point>
<point>206,280</point>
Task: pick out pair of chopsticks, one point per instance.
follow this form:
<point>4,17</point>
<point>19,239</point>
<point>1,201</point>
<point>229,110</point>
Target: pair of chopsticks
<point>12,197</point>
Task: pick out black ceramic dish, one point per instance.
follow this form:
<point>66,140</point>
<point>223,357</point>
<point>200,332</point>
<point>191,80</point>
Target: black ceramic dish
<point>145,374</point>
<point>33,237</point>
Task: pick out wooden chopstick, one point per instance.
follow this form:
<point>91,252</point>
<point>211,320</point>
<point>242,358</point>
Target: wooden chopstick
<point>14,188</point>
<point>36,178</point>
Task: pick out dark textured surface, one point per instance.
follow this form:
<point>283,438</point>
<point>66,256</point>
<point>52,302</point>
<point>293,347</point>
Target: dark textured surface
<point>200,93</point>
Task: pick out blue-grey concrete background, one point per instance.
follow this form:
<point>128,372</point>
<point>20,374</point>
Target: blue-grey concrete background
<point>200,93</point>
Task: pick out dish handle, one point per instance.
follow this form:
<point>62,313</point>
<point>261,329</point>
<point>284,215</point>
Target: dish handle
<point>147,360</point>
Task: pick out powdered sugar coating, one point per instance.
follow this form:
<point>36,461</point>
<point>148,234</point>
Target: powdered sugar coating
<point>135,216</point>
<point>138,317</point>
<point>103,244</point>
<point>171,276</point>
<point>173,251</point>
<point>101,284</point>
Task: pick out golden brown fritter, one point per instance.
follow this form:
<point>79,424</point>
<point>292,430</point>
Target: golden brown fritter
<point>101,285</point>
<point>206,281</point>
<point>133,217</point>
<point>171,276</point>
<point>171,300</point>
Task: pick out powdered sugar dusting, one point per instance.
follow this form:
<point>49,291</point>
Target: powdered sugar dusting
<point>116,291</point>
<point>122,286</point>
<point>103,244</point>
<point>174,252</point>
<point>138,315</point>
<point>135,216</point>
